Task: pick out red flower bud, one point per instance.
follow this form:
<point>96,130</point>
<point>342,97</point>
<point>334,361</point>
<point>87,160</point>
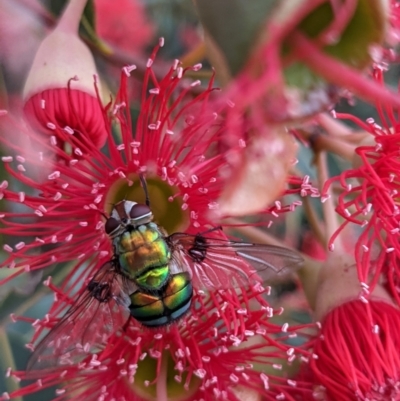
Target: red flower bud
<point>60,91</point>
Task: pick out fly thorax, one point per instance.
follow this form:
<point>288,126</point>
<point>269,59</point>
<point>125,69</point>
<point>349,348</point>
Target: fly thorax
<point>140,250</point>
<point>135,238</point>
<point>154,279</point>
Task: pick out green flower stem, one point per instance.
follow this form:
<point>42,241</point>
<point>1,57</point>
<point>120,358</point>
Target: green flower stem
<point>7,361</point>
<point>96,42</point>
<point>314,221</point>
<point>328,206</point>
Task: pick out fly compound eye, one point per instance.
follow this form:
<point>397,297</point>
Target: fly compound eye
<point>139,211</point>
<point>111,225</point>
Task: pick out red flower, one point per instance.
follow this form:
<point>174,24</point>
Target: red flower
<point>370,199</point>
<point>224,345</point>
<point>72,188</point>
<point>175,147</point>
<point>357,354</point>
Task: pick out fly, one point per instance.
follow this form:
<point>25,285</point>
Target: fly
<point>151,278</point>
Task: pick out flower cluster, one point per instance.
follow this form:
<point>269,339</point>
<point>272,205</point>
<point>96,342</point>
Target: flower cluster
<point>359,316</point>
<point>130,207</point>
<point>73,185</point>
<point>78,183</point>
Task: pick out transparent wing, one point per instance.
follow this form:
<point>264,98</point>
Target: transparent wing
<point>99,311</point>
<point>217,263</point>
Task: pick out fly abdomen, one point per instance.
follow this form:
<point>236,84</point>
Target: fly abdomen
<point>147,307</point>
<point>164,306</point>
<point>178,291</point>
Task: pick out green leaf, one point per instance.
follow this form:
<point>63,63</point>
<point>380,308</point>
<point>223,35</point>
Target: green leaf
<point>366,27</point>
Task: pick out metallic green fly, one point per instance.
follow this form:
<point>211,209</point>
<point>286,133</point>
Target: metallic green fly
<point>151,278</point>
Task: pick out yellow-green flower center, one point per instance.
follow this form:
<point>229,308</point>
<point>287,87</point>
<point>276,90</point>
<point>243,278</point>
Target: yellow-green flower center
<point>165,205</point>
<point>147,381</point>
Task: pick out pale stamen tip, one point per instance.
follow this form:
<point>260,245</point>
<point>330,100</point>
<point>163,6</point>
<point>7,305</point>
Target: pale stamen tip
<point>128,69</point>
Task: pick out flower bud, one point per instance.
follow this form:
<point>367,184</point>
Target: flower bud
<point>258,173</point>
<point>339,283</point>
<point>60,91</point>
<point>355,356</point>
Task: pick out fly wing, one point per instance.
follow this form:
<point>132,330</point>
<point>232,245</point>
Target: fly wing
<point>217,263</point>
<point>100,311</point>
